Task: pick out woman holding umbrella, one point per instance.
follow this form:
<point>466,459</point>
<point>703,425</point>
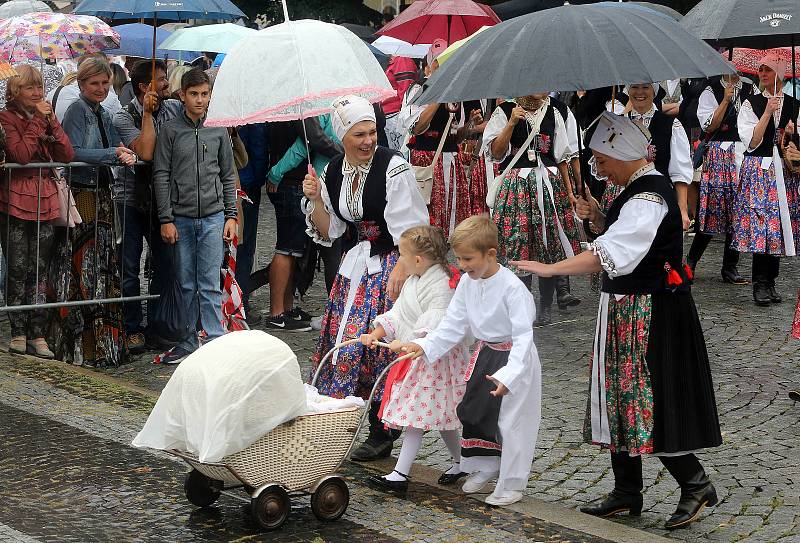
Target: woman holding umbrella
<point>669,150</point>
<point>651,390</point>
<point>717,112</point>
<point>434,126</point>
<point>764,223</point>
<point>368,197</point>
<point>533,209</point>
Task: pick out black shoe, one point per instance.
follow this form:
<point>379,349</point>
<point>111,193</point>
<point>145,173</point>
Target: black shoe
<point>298,314</point>
<point>253,318</point>
<point>761,294</point>
<point>733,277</point>
<point>544,317</point>
<point>690,505</point>
<point>385,484</point>
<point>281,322</point>
<point>616,503</point>
<point>774,297</point>
<point>370,450</point>
<point>794,395</point>
<point>566,299</point>
<point>451,478</point>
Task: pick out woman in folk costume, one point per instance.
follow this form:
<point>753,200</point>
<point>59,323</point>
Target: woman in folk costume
<point>765,212</point>
<point>651,390</point>
<point>434,126</point>
<point>669,149</point>
<point>419,396</point>
<point>717,112</point>
<point>480,170</point>
<point>367,197</point>
<point>532,198</point>
<point>792,156</point>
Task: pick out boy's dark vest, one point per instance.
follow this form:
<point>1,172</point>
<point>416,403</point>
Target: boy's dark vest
<point>542,143</point>
<point>771,135</point>
<point>650,276</point>
<point>728,130</point>
<point>372,226</point>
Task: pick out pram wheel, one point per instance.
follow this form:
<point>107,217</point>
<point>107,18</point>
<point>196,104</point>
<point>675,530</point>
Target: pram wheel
<point>200,489</point>
<point>330,500</point>
<point>271,507</point>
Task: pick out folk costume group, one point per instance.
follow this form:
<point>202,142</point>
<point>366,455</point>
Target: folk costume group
<point>474,373</point>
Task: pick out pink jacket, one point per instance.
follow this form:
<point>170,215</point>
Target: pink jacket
<point>402,72</point>
<point>32,140</point>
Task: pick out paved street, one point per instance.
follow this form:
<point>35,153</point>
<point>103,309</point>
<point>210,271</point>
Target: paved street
<point>67,473</point>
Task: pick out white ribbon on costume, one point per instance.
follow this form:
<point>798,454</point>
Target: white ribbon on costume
<point>783,204</point>
<point>355,262</point>
<point>601,432</point>
<point>543,182</point>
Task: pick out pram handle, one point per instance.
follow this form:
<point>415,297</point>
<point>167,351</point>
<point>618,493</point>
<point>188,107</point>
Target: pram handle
<point>378,381</point>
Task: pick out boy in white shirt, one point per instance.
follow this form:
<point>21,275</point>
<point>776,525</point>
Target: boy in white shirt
<point>501,409</point>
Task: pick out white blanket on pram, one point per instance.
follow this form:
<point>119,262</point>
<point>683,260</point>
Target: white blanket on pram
<point>225,396</point>
<point>317,403</point>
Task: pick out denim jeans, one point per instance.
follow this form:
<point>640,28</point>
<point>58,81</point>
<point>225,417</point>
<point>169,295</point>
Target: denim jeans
<point>247,249</point>
<point>200,252</point>
<point>137,227</point>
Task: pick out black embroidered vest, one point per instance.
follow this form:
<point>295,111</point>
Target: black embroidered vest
<point>372,227</point>
<point>728,130</point>
<point>660,151</point>
<point>666,252</point>
<point>771,135</point>
<point>543,142</point>
<point>429,140</point>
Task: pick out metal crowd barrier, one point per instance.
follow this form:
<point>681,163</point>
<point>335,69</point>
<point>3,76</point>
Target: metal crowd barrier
<point>63,236</point>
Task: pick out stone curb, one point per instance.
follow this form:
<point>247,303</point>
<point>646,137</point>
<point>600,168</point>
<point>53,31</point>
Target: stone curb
<point>531,507</point>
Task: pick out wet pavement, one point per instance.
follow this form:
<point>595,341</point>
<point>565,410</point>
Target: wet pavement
<point>67,474</point>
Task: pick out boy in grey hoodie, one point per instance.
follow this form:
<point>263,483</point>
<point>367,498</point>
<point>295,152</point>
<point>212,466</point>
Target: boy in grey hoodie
<point>195,187</point>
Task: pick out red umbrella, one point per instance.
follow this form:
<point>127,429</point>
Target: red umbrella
<point>428,20</point>
<point>747,61</point>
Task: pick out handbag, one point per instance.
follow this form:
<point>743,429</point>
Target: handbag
<point>424,174</point>
<point>170,316</point>
<point>67,210</point>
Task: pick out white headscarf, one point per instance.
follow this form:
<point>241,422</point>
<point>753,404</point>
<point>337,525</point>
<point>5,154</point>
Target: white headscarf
<point>619,137</point>
<point>348,111</point>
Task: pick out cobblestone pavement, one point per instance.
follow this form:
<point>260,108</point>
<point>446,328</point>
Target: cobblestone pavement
<point>754,363</point>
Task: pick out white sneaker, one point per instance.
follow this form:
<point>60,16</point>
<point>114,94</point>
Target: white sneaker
<point>504,498</point>
<point>478,481</point>
<point>316,323</point>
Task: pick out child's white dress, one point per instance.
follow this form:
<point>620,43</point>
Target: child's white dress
<point>423,396</point>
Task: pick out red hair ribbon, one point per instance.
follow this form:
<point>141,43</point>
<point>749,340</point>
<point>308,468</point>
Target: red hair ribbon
<point>689,272</point>
<point>455,276</point>
<point>673,277</point>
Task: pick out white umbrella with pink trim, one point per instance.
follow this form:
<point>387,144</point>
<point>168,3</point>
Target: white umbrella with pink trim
<point>291,71</point>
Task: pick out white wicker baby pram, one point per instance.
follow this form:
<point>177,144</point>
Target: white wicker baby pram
<point>299,457</point>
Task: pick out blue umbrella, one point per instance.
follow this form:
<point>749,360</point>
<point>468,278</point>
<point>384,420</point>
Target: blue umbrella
<point>136,40</point>
<point>168,10</point>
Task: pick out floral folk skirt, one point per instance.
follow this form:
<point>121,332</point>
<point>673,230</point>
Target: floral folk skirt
<point>718,186</point>
<point>478,182</point>
<point>357,367</point>
<point>519,220</point>
<point>658,386</point>
<point>756,212</point>
<point>450,201</point>
<point>609,195</point>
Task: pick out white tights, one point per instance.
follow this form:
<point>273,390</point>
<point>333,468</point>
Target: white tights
<point>412,440</point>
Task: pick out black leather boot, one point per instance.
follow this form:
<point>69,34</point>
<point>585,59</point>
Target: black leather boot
<point>627,493</point>
<point>730,263</point>
<point>380,441</point>
<point>564,297</point>
<point>774,297</point>
<point>761,292</point>
<point>544,314</point>
<point>696,489</point>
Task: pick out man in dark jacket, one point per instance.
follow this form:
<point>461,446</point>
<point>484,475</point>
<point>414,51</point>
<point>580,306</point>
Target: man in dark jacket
<point>195,186</point>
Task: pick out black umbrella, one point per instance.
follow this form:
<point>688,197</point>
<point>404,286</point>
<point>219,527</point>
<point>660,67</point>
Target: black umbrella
<point>572,48</point>
<point>515,8</point>
<point>758,24</point>
<point>366,33</point>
